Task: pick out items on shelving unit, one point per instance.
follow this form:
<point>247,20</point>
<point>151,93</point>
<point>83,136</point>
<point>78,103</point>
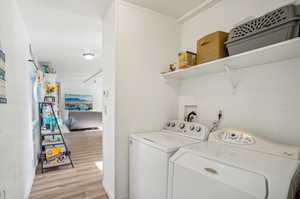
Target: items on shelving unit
<point>50,86</point>
<point>251,38</point>
<point>48,68</point>
<point>54,150</point>
<point>286,50</point>
<point>212,47</point>
<point>3,83</point>
<point>276,26</point>
<point>186,59</point>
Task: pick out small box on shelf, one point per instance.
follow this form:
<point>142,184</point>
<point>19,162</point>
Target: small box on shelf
<point>186,59</point>
<point>211,47</point>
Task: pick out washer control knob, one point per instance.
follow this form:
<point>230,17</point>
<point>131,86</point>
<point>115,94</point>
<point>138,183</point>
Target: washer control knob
<point>168,124</point>
<point>173,124</point>
<point>181,126</point>
<point>192,127</point>
<point>198,129</point>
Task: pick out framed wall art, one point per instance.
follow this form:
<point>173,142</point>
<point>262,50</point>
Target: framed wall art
<point>78,102</point>
<point>3,97</point>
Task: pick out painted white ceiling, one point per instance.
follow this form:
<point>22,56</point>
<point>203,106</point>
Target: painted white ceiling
<point>61,30</point>
<point>173,8</point>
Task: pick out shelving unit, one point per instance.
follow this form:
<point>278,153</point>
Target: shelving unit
<point>49,133</point>
<point>46,142</point>
<point>270,54</point>
<point>49,143</point>
<point>54,164</point>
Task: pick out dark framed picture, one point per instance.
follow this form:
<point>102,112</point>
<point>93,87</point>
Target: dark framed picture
<point>3,97</point>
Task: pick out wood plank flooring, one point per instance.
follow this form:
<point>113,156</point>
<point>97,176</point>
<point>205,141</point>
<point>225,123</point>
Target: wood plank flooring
<point>82,182</point>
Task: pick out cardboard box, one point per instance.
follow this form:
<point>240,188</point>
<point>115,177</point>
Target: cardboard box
<point>186,59</point>
<point>212,47</point>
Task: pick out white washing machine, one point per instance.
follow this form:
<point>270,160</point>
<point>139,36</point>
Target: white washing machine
<point>149,155</point>
<point>234,165</point>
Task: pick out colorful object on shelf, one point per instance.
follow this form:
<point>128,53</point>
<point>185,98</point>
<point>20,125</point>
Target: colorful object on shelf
<point>78,102</point>
<point>55,154</point>
<point>186,59</point>
<point>3,98</point>
<point>47,68</point>
<point>49,122</point>
<point>50,89</point>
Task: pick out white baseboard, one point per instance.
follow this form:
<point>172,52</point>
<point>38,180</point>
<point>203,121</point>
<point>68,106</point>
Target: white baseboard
<point>112,195</point>
<point>107,191</point>
<point>123,197</point>
<point>28,189</point>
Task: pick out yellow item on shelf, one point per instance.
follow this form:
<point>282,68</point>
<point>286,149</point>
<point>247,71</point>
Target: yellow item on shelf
<point>186,59</point>
<point>54,153</point>
<point>50,88</point>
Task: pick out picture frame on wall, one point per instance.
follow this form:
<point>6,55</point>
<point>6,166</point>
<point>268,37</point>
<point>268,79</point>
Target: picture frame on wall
<point>3,97</point>
<point>78,102</point>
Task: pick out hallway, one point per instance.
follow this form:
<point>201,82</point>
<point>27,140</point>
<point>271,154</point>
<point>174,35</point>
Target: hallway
<point>81,182</point>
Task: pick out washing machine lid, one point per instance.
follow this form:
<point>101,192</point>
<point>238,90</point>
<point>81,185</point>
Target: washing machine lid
<point>164,141</point>
<point>216,179</point>
<point>277,171</point>
<point>255,161</point>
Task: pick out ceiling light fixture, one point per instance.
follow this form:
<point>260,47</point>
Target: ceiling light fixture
<point>88,56</point>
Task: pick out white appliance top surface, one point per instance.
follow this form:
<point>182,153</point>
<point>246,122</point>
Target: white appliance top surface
<point>248,141</point>
<point>255,161</point>
<point>165,141</point>
<point>175,134</point>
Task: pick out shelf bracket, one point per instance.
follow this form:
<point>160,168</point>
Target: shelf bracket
<point>230,74</point>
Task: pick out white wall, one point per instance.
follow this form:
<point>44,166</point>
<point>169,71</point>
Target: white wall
<point>140,43</point>
<point>109,86</point>
<point>147,43</point>
<point>266,101</point>
<point>16,145</point>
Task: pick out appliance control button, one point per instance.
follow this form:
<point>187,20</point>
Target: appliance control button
<point>168,124</point>
<point>198,129</point>
<point>233,136</point>
<point>192,127</point>
<point>182,125</point>
<point>173,124</point>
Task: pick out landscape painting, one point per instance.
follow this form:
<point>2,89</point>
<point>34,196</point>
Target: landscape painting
<point>78,102</point>
<point>3,98</point>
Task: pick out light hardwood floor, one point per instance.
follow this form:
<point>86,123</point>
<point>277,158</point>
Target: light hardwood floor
<point>82,182</point>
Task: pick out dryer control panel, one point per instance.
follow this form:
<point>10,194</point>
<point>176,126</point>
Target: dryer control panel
<point>232,136</point>
<point>242,139</point>
<point>189,129</point>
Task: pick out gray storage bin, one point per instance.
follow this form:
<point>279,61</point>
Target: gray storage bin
<point>274,27</point>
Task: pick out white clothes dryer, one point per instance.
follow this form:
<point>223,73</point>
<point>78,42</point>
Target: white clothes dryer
<point>234,165</point>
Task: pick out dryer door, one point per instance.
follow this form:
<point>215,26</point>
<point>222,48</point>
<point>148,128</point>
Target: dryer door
<point>195,177</point>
